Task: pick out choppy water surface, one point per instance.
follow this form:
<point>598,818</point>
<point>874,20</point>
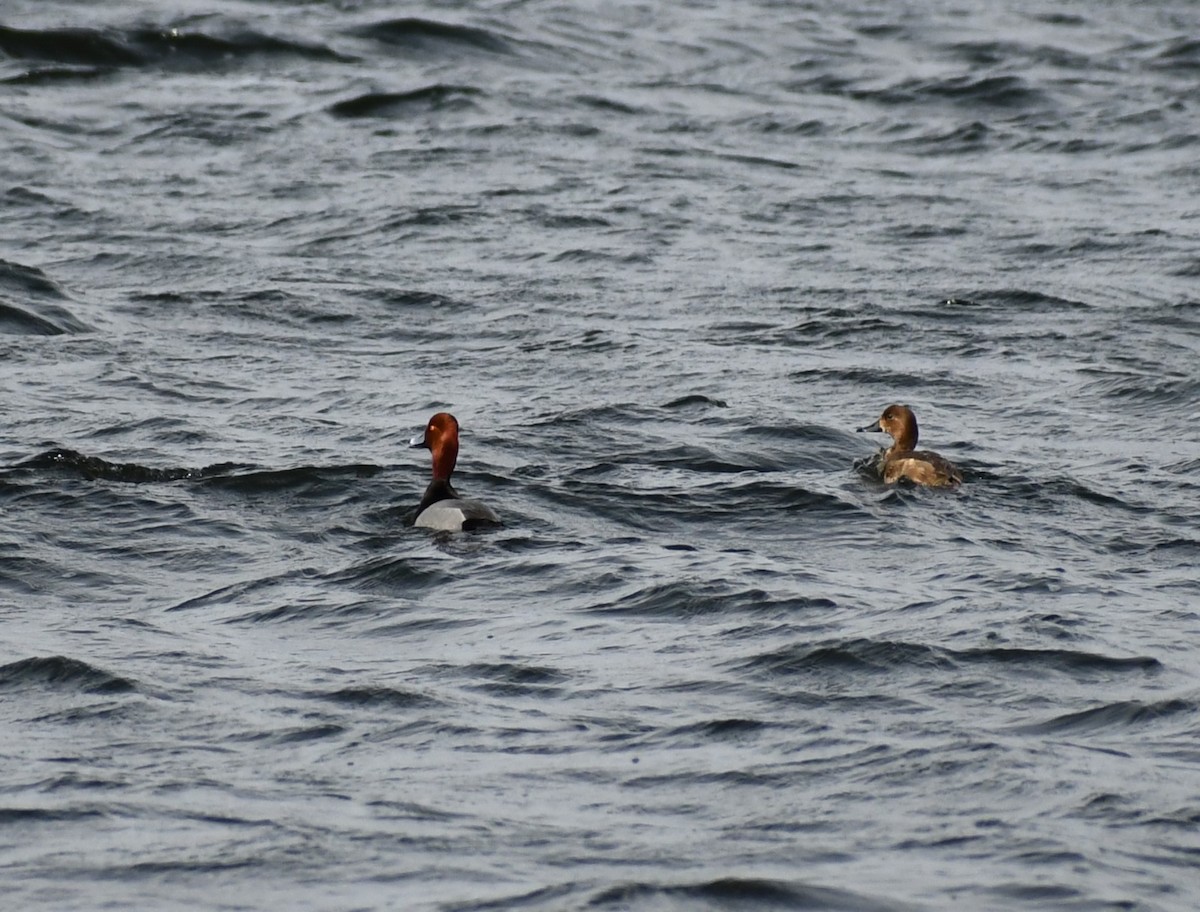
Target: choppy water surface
<point>660,263</point>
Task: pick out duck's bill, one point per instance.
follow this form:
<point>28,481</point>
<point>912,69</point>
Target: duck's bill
<point>418,441</point>
<point>873,426</point>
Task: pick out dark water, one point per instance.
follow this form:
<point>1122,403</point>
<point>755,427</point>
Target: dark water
<point>660,263</point>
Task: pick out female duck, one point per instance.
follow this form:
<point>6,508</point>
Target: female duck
<point>441,507</point>
<point>901,461</point>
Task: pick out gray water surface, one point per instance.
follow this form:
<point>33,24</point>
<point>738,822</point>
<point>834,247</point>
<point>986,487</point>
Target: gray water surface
<point>661,263</point>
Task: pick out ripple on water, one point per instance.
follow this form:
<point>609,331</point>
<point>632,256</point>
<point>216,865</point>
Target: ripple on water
<point>734,892</point>
<point>31,303</point>
<point>61,673</point>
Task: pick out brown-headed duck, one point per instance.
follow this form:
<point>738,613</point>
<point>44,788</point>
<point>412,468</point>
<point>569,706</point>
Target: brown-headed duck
<point>441,507</point>
<point>901,461</point>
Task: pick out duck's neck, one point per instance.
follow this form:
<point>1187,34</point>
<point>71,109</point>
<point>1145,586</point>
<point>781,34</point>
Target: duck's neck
<point>903,442</point>
<point>444,458</point>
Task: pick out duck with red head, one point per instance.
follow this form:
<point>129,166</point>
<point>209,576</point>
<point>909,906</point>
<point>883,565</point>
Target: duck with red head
<point>901,461</point>
<point>441,507</point>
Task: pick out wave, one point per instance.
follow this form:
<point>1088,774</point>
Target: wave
<point>53,321</point>
<point>402,576</point>
<point>973,136</point>
<point>1032,491</point>
<point>862,655</point>
<point>410,299</point>
<point>587,415</point>
<point>685,600</point>
<point>731,892</point>
<point>1002,91</point>
<point>724,893</point>
<point>1018,300</point>
<point>511,679</point>
<point>436,97</point>
<point>674,509</point>
<point>608,105</point>
<point>1077,664</point>
<point>19,279</point>
<point>107,49</point>
<point>68,45</point>
<point>883,377</point>
<point>301,734</point>
<point>1141,386</point>
<point>719,730</point>
<point>297,480</point>
<point>22,816</point>
<point>865,655</point>
<point>95,468</point>
<point>1120,715</point>
<point>1180,54</point>
<point>231,476</point>
<point>237,592</point>
<point>32,304</point>
<point>61,673</point>
<point>695,402</point>
<point>1005,91</point>
<point>388,698</point>
<point>990,53</point>
<point>414,34</point>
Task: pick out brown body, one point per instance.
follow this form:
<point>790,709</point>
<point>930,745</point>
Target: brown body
<point>901,461</point>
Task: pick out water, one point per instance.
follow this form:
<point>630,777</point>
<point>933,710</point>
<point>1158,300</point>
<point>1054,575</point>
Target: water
<point>660,263</point>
